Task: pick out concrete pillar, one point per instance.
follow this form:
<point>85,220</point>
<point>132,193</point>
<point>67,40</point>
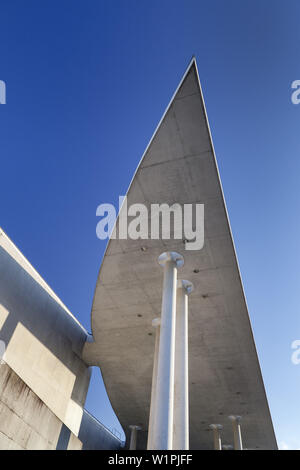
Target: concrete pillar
<point>216,428</point>
<point>237,436</point>
<point>133,436</point>
<point>156,325</point>
<point>181,378</point>
<point>163,420</point>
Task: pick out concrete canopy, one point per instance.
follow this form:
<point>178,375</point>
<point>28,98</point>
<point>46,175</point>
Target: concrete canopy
<point>179,166</point>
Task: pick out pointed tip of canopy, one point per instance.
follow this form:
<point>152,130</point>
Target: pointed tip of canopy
<point>193,61</point>
<point>192,64</point>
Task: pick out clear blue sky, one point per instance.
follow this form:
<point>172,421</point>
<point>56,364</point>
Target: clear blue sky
<point>87,82</point>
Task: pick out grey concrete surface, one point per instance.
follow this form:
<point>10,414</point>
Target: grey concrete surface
<point>43,378</point>
<point>179,166</point>
<point>26,423</point>
<point>43,340</point>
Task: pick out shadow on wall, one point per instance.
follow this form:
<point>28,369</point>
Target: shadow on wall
<point>55,339</point>
<point>43,346</point>
<point>94,435</point>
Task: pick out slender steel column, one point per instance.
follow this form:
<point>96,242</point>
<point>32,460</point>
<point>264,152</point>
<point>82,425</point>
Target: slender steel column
<point>237,436</point>
<point>156,325</point>
<point>181,380</point>
<point>216,428</point>
<point>163,420</point>
<point>133,436</point>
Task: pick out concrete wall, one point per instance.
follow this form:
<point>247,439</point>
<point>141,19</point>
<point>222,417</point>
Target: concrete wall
<point>26,423</point>
<point>43,378</point>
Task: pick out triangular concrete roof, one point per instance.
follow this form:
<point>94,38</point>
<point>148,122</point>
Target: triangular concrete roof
<point>179,165</point>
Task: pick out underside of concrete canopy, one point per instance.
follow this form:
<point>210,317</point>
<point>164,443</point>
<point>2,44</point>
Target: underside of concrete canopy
<point>179,166</point>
